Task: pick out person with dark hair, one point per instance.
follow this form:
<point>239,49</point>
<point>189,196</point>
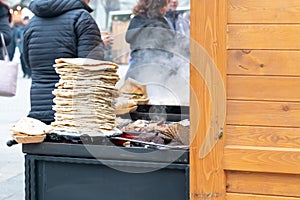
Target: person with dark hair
<point>5,18</point>
<point>159,58</point>
<point>59,29</point>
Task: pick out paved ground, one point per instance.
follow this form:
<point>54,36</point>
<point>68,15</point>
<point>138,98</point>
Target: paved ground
<point>11,158</point>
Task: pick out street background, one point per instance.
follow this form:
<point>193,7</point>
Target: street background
<point>12,158</point>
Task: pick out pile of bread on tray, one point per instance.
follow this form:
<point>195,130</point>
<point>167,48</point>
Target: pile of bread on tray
<point>84,96</point>
<point>86,101</point>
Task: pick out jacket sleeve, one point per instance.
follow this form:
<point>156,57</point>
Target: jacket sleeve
<point>25,47</point>
<point>5,29</point>
<point>89,42</point>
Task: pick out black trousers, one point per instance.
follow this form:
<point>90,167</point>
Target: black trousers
<point>26,70</point>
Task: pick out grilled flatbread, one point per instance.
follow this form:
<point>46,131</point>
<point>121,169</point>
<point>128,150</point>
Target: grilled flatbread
<point>30,126</point>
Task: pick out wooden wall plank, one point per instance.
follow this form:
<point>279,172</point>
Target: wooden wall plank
<point>234,196</point>
<point>263,37</point>
<point>257,113</point>
<point>208,31</point>
<point>263,109</point>
<point>267,11</point>
<point>263,136</point>
<point>263,183</point>
<point>262,159</point>
<point>263,88</point>
<point>263,62</point>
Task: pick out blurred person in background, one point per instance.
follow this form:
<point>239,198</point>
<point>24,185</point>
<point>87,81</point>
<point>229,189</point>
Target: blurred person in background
<point>59,29</point>
<point>19,43</point>
<point>176,20</point>
<point>108,41</point>
<point>187,16</point>
<point>158,54</point>
<point>5,18</point>
<point>11,48</point>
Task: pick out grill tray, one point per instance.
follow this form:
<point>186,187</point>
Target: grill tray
<point>159,112</point>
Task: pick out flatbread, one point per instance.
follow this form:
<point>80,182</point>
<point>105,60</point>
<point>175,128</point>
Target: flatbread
<point>30,126</point>
<point>124,105</point>
<point>84,62</point>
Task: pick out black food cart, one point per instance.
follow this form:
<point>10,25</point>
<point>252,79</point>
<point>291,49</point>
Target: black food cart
<point>67,167</point>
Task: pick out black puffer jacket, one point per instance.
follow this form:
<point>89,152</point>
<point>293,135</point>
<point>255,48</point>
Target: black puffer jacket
<point>4,26</point>
<point>145,33</point>
<point>59,29</point>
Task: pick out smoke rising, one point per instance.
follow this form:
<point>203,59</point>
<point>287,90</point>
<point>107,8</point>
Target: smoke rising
<point>163,65</point>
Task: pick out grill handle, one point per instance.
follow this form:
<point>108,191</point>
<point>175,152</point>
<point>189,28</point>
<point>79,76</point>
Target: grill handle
<point>10,143</point>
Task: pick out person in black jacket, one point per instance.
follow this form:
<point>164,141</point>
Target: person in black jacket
<point>4,24</point>
<point>159,57</point>
<point>59,29</point>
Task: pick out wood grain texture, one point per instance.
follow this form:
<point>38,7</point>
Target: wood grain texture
<point>267,11</point>
<point>208,31</point>
<point>263,108</point>
<point>263,183</point>
<point>258,113</point>
<point>263,136</point>
<point>263,62</point>
<point>263,36</point>
<point>263,88</point>
<point>262,159</point>
<point>234,196</point>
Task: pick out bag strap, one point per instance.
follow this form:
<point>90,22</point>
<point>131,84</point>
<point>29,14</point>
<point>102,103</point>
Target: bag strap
<point>4,49</point>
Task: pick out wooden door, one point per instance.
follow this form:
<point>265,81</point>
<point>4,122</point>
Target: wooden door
<point>256,47</point>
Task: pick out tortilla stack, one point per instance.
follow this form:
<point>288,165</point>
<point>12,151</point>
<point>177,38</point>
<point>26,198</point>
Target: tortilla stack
<point>84,96</point>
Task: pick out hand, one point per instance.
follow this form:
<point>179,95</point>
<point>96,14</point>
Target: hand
<point>107,39</point>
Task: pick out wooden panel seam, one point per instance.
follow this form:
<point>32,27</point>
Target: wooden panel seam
<point>236,196</point>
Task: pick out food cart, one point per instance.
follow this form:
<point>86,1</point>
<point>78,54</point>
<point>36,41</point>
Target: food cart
<point>83,154</point>
<point>68,167</point>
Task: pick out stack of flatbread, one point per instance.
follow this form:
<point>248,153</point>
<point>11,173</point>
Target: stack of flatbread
<point>84,96</point>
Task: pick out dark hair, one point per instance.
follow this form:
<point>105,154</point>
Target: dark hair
<point>150,8</point>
